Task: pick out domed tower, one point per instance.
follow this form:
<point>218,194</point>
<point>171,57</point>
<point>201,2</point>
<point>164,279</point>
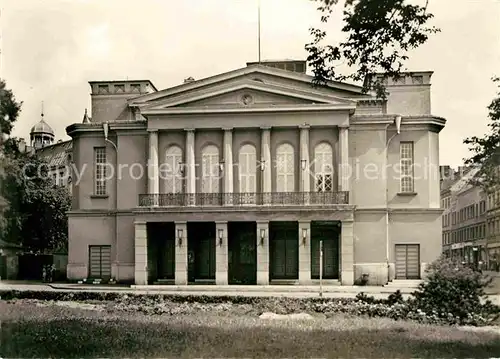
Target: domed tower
<point>41,134</point>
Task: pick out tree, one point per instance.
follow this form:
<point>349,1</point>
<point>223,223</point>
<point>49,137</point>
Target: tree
<point>379,33</point>
<point>9,109</point>
<point>486,150</point>
<point>36,216</point>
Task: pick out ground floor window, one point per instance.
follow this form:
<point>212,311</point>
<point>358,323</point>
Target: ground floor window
<point>407,261</point>
<point>100,262</point>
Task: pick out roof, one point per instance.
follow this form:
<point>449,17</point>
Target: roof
<point>56,154</point>
<point>42,127</point>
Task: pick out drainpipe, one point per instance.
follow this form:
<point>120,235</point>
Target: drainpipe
<point>106,139</point>
<point>397,122</point>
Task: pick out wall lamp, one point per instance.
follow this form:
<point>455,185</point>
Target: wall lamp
<point>221,234</point>
<point>179,236</point>
<point>262,164</point>
<point>304,236</point>
<point>303,164</point>
<point>180,169</point>
<point>262,236</point>
<point>221,165</point>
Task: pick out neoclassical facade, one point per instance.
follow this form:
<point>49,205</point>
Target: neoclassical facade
<point>255,176</point>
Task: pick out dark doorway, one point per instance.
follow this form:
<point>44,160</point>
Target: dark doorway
<point>201,251</point>
<point>284,250</point>
<point>329,233</point>
<point>242,252</point>
<point>161,252</point>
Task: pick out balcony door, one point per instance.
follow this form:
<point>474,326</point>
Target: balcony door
<point>285,170</point>
<point>210,185</point>
<point>323,167</point>
<point>247,170</point>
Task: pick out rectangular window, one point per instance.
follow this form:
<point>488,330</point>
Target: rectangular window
<point>100,171</point>
<point>406,163</point>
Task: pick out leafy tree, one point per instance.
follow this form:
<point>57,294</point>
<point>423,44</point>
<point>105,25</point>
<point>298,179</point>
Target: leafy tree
<point>379,33</point>
<point>36,216</point>
<point>9,109</point>
<point>486,150</point>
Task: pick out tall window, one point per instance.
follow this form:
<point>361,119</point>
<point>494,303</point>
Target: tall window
<point>247,168</point>
<point>100,171</point>
<point>210,169</point>
<point>285,168</point>
<point>173,170</point>
<point>323,167</point>
<point>406,163</point>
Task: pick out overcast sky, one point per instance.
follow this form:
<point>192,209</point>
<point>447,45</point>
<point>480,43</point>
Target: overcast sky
<point>52,48</point>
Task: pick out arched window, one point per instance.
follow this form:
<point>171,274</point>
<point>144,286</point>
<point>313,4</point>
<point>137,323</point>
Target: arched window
<point>172,171</point>
<point>247,168</point>
<point>323,167</point>
<point>210,169</point>
<point>285,169</point>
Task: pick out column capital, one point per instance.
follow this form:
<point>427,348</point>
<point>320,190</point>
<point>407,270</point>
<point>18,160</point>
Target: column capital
<point>220,222</point>
<point>153,131</point>
<point>227,128</point>
<point>181,223</point>
<point>140,223</point>
<point>189,129</point>
<point>304,126</point>
<point>264,128</point>
<point>343,127</point>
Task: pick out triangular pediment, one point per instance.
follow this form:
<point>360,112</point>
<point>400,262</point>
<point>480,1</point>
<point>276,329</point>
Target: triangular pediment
<point>255,85</point>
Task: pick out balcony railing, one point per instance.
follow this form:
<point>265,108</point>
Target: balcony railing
<point>243,199</point>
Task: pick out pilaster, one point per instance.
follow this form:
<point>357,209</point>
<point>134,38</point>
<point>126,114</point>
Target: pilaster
<point>347,253</point>
<point>228,163</point>
<point>304,252</point>
<point>305,178</point>
<point>266,158</point>
<point>141,253</point>
<point>344,170</point>
<point>262,252</point>
<point>153,167</point>
<point>190,166</point>
<point>221,253</point>
<point>181,253</point>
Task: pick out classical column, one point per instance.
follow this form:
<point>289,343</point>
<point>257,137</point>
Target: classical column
<point>344,170</point>
<point>266,158</point>
<point>304,252</point>
<point>153,173</point>
<point>262,252</point>
<point>347,253</point>
<point>190,167</point>
<point>305,170</point>
<point>181,253</point>
<point>228,165</point>
<point>221,256</point>
<point>141,254</point>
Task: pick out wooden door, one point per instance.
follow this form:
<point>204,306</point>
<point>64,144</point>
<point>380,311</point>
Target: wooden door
<point>330,236</point>
<point>407,261</point>
<point>284,249</point>
<point>100,262</point>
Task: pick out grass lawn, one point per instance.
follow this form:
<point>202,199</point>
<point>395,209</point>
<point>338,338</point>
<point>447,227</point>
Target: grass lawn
<point>30,330</point>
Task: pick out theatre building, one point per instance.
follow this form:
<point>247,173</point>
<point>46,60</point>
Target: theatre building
<point>246,173</point>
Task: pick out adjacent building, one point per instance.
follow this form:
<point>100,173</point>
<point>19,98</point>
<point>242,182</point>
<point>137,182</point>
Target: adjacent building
<point>464,218</point>
<point>244,176</point>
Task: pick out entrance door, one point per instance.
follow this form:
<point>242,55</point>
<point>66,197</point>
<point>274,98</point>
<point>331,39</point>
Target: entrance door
<point>407,261</point>
<point>201,251</point>
<point>166,260</point>
<point>100,262</point>
<point>329,233</point>
<point>284,249</point>
<point>242,252</point>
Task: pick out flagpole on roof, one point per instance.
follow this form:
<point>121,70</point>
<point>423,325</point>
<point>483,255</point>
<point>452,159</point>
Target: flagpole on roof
<point>258,15</point>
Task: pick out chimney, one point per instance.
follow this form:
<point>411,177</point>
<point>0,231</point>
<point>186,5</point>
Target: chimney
<point>189,80</point>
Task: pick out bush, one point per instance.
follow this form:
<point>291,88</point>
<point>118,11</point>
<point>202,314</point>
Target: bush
<point>454,292</point>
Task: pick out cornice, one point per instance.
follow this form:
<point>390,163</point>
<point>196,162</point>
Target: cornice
<point>79,129</point>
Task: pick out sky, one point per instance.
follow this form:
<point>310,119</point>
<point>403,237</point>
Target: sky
<point>50,49</point>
